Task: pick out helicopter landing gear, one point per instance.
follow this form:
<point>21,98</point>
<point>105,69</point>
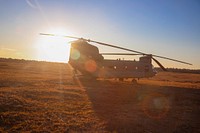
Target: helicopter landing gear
<point>121,79</point>
<point>74,72</point>
<point>134,81</point>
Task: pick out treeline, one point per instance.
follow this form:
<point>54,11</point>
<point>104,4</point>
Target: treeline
<point>12,60</point>
<point>22,60</point>
<point>178,70</point>
<point>195,71</point>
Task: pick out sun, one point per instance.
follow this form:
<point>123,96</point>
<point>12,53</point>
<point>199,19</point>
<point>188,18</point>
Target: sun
<point>54,48</point>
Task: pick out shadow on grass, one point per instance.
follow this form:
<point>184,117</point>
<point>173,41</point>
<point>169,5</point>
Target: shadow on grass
<point>144,108</point>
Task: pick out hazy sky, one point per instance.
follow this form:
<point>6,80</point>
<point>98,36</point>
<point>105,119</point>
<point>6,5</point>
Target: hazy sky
<point>167,28</point>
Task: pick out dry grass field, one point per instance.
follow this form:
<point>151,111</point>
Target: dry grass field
<point>43,97</point>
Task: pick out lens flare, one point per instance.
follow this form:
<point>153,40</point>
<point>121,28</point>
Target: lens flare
<point>75,55</point>
<point>91,66</point>
<point>155,106</point>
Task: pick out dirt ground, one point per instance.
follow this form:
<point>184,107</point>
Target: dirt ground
<point>44,97</point>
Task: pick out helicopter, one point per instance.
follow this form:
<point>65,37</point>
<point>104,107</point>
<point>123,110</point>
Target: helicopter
<point>86,59</point>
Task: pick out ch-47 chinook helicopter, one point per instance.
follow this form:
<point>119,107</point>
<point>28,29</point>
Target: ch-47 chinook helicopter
<point>86,59</point>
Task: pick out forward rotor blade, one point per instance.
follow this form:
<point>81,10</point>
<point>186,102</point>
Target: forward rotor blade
<point>159,64</point>
<point>119,54</point>
<point>73,37</point>
<point>61,36</point>
<point>47,34</point>
<point>105,44</point>
<point>109,45</point>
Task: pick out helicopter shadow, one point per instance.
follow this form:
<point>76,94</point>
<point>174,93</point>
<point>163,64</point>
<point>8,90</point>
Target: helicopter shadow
<point>126,107</point>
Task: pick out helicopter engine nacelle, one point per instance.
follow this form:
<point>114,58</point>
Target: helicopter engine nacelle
<point>145,59</point>
<point>84,51</point>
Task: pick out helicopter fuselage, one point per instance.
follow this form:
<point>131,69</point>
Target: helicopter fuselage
<point>86,58</point>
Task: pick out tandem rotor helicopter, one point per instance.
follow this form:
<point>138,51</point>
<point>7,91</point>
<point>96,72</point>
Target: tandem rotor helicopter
<point>85,58</point>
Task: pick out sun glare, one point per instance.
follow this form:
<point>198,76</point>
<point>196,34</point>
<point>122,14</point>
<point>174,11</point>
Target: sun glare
<point>54,48</point>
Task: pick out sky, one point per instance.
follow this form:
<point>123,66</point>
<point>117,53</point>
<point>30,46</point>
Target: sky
<point>168,28</point>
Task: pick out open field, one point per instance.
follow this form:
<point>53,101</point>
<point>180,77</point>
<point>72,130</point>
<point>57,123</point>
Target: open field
<point>41,96</point>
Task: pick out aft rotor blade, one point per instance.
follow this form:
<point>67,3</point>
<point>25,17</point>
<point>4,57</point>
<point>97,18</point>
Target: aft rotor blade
<point>172,59</point>
<point>159,64</point>
<point>119,54</point>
